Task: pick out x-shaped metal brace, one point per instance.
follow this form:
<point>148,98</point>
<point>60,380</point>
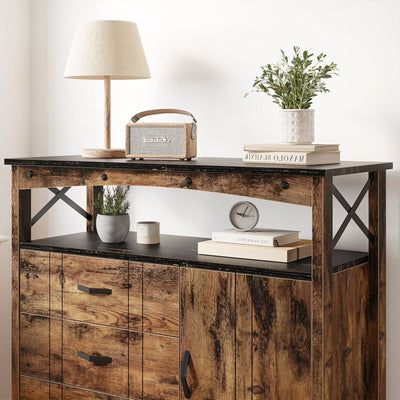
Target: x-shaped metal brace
<point>60,195</point>
<point>351,213</point>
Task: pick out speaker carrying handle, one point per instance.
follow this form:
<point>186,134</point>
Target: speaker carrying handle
<point>142,114</point>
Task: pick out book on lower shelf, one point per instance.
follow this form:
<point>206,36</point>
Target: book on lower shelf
<point>288,253</point>
<point>256,237</point>
<point>292,157</point>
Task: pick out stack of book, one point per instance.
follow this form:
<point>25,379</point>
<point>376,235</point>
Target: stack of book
<point>294,154</point>
<point>258,244</point>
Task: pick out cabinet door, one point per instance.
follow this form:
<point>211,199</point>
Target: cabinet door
<point>208,333</point>
<point>273,339</point>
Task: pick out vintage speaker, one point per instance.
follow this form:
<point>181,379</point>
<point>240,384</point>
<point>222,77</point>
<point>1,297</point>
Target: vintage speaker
<point>161,140</point>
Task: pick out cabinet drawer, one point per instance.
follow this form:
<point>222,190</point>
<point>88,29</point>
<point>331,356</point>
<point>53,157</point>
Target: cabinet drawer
<point>109,374</point>
<point>160,367</point>
<point>96,290</point>
<point>34,346</point>
<point>34,281</point>
<point>161,299</point>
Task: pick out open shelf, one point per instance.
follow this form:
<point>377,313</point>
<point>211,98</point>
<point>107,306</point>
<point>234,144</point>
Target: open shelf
<point>182,250</point>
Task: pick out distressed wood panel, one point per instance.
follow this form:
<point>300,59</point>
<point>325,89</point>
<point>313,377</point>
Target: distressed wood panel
<point>34,282</point>
<point>55,350</point>
<point>92,192</point>
<point>56,392</point>
<point>161,299</point>
<point>322,282</point>
<point>34,346</point>
<point>135,365</point>
<point>208,332</point>
<point>70,393</point>
<point>32,389</point>
<point>350,299</point>
<point>56,285</point>
<point>377,287</point>
<point>135,296</point>
<point>160,368</point>
<point>261,186</point>
<point>96,341</point>
<point>278,327</point>
<point>96,273</point>
<point>244,337</point>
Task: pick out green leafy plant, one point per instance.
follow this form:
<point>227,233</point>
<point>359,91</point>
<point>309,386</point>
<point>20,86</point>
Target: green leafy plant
<point>294,83</point>
<point>113,201</point>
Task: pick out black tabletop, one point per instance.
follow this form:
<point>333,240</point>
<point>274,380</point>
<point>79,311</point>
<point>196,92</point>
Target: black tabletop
<point>200,164</point>
<point>182,251</point>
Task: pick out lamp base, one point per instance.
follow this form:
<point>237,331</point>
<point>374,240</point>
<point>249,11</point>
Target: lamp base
<point>103,153</point>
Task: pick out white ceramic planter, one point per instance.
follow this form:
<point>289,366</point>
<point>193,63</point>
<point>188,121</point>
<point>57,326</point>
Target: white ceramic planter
<point>297,126</point>
<point>148,232</point>
<point>112,228</point>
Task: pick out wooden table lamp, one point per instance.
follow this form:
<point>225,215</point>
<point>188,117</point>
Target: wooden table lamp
<point>106,50</point>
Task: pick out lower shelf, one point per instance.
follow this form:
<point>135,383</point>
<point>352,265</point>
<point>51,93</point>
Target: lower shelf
<point>182,250</point>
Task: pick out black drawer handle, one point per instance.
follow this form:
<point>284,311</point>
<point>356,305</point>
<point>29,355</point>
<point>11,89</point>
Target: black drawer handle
<point>95,359</point>
<point>185,364</point>
<point>94,290</point>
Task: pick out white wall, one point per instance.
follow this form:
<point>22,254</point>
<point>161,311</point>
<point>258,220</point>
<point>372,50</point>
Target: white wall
<point>14,141</point>
<point>203,57</point>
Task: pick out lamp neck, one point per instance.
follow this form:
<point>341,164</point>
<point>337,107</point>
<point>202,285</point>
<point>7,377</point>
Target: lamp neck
<point>107,112</point>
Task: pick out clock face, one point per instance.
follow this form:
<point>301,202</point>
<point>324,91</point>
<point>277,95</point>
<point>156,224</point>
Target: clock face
<point>244,216</point>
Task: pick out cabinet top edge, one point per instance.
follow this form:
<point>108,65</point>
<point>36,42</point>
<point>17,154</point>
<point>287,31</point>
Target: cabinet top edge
<point>202,164</point>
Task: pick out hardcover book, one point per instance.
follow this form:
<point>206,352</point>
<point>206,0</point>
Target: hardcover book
<point>291,147</point>
<point>292,252</point>
<point>293,158</point>
<point>256,237</point>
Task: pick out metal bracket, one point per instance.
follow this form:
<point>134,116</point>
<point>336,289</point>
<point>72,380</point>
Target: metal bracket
<point>60,195</point>
<point>351,213</point>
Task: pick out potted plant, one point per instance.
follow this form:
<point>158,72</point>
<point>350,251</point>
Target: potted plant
<point>113,222</point>
<point>293,84</point>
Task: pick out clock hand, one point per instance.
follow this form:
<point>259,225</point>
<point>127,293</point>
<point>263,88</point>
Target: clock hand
<point>244,212</point>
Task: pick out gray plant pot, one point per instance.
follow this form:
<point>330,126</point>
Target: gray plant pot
<point>112,228</point>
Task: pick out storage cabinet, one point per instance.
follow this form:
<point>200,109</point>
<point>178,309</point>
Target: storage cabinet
<point>130,322</point>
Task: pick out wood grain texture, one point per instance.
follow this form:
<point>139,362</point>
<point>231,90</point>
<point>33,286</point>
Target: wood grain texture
<point>56,282</point>
<point>56,392</point>
<point>350,298</point>
<point>377,287</point>
<point>96,273</point>
<point>161,299</point>
<point>96,341</point>
<point>70,393</point>
<point>92,192</point>
<point>34,346</point>
<point>55,350</point>
<point>32,389</point>
<point>135,365</point>
<point>268,187</point>
<point>135,296</point>
<point>322,282</point>
<point>160,368</point>
<point>244,337</point>
<point>208,332</point>
<point>34,282</point>
<point>277,331</point>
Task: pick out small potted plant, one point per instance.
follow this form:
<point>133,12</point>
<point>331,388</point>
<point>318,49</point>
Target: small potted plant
<point>293,84</point>
<point>113,222</point>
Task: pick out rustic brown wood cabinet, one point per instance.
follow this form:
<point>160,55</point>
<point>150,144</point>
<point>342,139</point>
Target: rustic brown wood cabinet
<point>95,321</point>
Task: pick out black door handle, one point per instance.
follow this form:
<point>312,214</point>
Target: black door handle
<point>95,359</point>
<point>185,364</point>
<point>94,290</point>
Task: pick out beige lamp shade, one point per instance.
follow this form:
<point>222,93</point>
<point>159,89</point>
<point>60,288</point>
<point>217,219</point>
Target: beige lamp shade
<point>107,49</point>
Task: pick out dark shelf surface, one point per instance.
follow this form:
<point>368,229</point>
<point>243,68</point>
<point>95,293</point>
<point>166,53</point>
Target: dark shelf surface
<point>200,164</point>
<point>182,250</point>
